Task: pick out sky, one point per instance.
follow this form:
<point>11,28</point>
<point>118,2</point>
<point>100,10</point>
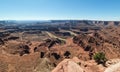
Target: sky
<point>60,9</point>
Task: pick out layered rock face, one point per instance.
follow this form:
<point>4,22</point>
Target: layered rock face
<point>100,41</point>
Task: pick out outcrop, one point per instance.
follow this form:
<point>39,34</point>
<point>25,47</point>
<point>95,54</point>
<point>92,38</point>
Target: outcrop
<point>77,65</point>
<point>68,66</point>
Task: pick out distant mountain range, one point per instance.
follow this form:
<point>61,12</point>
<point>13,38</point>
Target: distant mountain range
<point>88,22</point>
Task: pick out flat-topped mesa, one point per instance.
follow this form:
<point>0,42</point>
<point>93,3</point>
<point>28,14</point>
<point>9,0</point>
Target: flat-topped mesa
<point>86,22</point>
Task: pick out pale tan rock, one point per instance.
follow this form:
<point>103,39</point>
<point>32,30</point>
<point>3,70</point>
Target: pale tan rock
<point>112,62</point>
<point>68,65</point>
<point>113,68</point>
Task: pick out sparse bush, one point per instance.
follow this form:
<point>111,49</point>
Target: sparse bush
<point>100,58</point>
<point>79,63</point>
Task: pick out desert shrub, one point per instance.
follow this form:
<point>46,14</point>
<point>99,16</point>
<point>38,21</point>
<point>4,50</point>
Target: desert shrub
<point>100,58</point>
<point>79,63</point>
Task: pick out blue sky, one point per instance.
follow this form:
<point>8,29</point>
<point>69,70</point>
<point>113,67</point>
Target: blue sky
<point>59,9</point>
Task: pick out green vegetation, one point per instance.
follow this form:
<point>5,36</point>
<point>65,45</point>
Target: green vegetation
<point>78,63</point>
<point>100,58</point>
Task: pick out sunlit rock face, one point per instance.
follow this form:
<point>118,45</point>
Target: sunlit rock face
<point>68,66</point>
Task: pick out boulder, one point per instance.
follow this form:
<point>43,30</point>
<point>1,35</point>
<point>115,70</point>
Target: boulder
<point>68,65</point>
